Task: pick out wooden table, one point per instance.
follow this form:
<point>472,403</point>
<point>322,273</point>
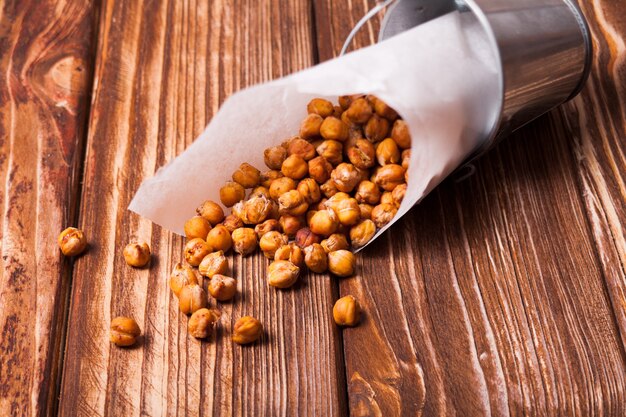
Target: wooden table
<point>503,294</point>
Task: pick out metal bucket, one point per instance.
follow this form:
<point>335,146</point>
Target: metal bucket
<point>544,48</point>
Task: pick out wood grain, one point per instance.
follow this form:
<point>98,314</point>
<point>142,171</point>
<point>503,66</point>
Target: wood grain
<point>499,295</point>
<point>45,79</point>
<point>163,68</point>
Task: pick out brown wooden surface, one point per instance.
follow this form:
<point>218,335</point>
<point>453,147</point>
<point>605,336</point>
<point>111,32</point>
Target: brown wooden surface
<point>503,294</point>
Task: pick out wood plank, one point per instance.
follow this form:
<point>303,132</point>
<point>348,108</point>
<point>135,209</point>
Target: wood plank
<point>45,79</point>
<point>163,69</point>
<point>496,295</point>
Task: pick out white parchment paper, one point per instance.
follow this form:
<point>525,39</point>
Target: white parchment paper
<point>442,77</point>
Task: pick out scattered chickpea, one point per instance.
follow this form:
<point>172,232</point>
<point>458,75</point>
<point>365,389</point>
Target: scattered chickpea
<point>219,239</point>
<point>124,331</point>
<point>291,224</point>
<point>346,177</point>
<point>222,288</point>
<point>347,311</point>
<point>367,192</point>
<point>72,241</point>
<point>195,250</point>
<point>202,322</point>
<point>383,214</point>
<point>362,154</point>
<point>341,263</point>
<point>400,134</point>
<point>334,129</point>
<point>247,330</point>
<point>331,151</point>
<point>274,157</point>
<point>295,167</point>
<point>302,148</point>
<point>282,274</point>
<point>292,253</point>
<point>271,241</point>
<point>269,225</point>
<point>334,242</point>
<point>280,186</point>
<point>181,276</point>
<point>324,222</point>
<point>320,169</point>
<point>191,299</point>
<point>244,240</point>
<point>315,258</point>
<point>387,152</point>
<point>213,264</point>
<point>360,111</point>
<point>211,211</point>
<point>311,126</point>
<point>247,175</point>
<point>362,233</point>
<point>320,106</point>
<point>232,193</point>
<point>137,254</point>
<point>305,237</point>
<point>232,222</point>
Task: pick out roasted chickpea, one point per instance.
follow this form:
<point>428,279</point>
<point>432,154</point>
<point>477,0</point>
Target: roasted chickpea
<point>137,254</point>
<point>316,258</point>
<point>244,240</point>
<point>213,264</point>
<point>406,158</point>
<point>346,101</point>
<point>377,128</point>
<point>311,126</point>
<point>219,239</point>
<point>398,194</point>
<point>324,222</point>
<point>211,211</point>
<point>366,211</point>
<point>222,288</point>
<point>383,214</point>
<point>310,190</point>
<point>367,192</point>
<point>334,129</point>
<point>271,242</point>
<point>320,169</point>
<point>255,210</point>
<point>387,152</point>
<point>72,241</point>
<point>346,177</point>
<point>282,274</point>
<point>389,176</point>
<point>197,226</point>
<point>305,237</point>
<point>302,148</point>
<point>291,224</point>
<point>295,167</point>
<point>231,193</point>
<point>348,211</point>
<point>191,299</point>
<point>382,109</point>
<point>280,186</point>
<point>359,111</point>
<point>247,176</point>
<point>362,154</point>
<point>195,250</point>
<point>320,106</point>
<point>347,311</point>
<point>329,188</point>
<point>269,176</point>
<point>202,322</point>
<point>387,198</point>
<point>232,222</point>
<point>269,225</point>
<point>292,253</point>
<point>334,242</point>
<point>362,233</point>
<point>400,134</point>
<point>341,263</point>
<point>247,330</point>
<point>124,331</point>
<point>274,157</point>
<point>181,275</point>
<point>293,203</point>
<point>259,191</point>
<point>331,151</point>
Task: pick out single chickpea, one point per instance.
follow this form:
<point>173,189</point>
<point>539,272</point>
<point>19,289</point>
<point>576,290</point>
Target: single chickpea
<point>244,240</point>
<point>255,210</point>
<point>367,192</point>
<point>324,222</point>
<point>195,250</point>
<point>406,158</point>
<point>376,129</point>
<point>291,224</point>
<point>274,157</point>
<point>362,233</point>
<point>269,225</point>
<point>347,311</point>
<point>282,274</point>
<point>247,175</point>
<point>362,154</point>
<point>333,201</point>
<point>302,148</point>
<point>222,288</point>
<point>309,190</point>
<point>247,330</point>
<point>213,264</point>
<point>219,239</point>
<point>232,222</point>
<point>346,177</point>
<point>398,194</point>
<point>359,111</point>
<point>329,188</point>
<point>211,211</point>
<point>259,191</point>
<point>72,241</point>
<point>366,211</point>
<point>311,126</point>
<point>202,322</point>
<point>305,237</point>
<point>341,263</point>
<point>269,176</point>
<point>387,198</point>
<point>137,254</point>
<point>331,151</point>
<point>182,275</point>
<point>320,106</point>
<point>382,109</point>
<point>271,241</point>
<point>383,214</point>
<point>124,331</point>
<point>316,258</point>
<point>334,129</point>
<point>400,134</point>
<point>280,186</point>
<point>387,152</point>
<point>295,167</point>
<point>292,203</point>
<point>389,176</point>
<point>346,101</point>
<point>292,253</point>
<point>320,169</point>
<point>334,242</point>
<point>191,299</point>
<point>348,212</point>
<point>232,193</point>
<point>197,226</point>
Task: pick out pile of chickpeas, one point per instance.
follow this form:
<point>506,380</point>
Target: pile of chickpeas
<point>326,192</point>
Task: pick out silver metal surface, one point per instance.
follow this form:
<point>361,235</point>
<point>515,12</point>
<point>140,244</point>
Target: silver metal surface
<point>544,48</point>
